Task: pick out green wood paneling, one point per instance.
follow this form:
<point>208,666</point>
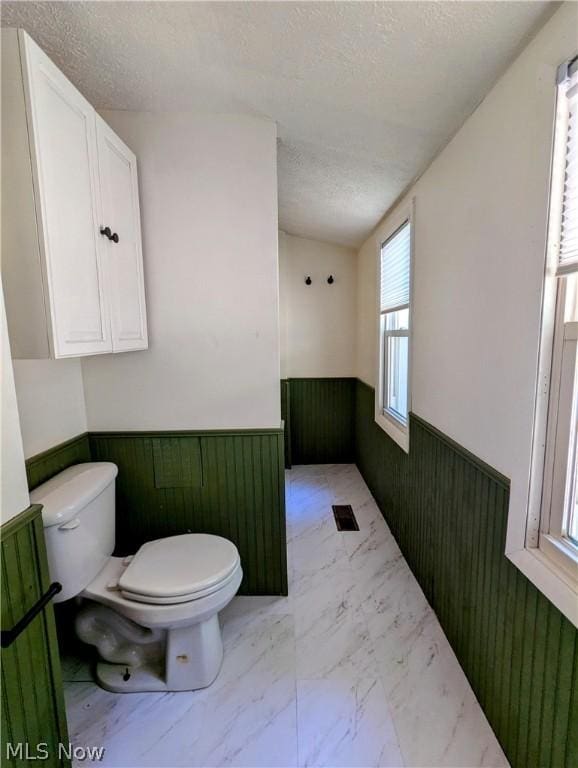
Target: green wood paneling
<point>286,417</point>
<point>448,511</point>
<point>32,697</point>
<point>45,465</point>
<point>177,462</point>
<point>321,419</point>
<point>242,496</point>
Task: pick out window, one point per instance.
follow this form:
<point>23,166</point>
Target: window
<point>557,534</point>
<point>392,393</point>
<point>552,524</point>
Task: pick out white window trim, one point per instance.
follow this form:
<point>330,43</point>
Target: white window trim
<point>393,427</point>
<point>537,556</point>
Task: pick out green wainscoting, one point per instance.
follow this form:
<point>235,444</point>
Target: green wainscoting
<point>239,494</point>
<point>286,418</point>
<point>448,512</point>
<point>45,465</point>
<point>32,698</point>
<point>321,420</point>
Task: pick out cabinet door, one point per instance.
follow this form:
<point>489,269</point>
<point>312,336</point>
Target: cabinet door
<point>120,206</point>
<point>62,127</point>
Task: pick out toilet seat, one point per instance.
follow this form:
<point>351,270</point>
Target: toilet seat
<point>152,615</point>
<point>177,599</point>
<point>179,569</point>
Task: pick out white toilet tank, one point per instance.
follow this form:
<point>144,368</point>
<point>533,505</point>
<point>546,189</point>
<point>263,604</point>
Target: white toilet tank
<point>78,517</point>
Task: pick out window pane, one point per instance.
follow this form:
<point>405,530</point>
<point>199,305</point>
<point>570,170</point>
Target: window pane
<point>573,521</point>
<point>397,365</point>
<point>397,321</point>
<point>571,524</point>
<point>571,303</point>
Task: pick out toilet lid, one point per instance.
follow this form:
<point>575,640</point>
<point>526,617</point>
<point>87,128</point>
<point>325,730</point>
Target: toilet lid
<point>179,566</point>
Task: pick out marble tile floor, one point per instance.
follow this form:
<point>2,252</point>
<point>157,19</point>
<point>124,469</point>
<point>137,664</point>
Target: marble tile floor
<point>352,669</point>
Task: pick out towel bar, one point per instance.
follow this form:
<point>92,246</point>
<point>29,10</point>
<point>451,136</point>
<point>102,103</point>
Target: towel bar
<point>8,636</point>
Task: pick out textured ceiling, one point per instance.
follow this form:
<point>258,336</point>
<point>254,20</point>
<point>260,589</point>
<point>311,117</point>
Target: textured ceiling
<point>364,94</point>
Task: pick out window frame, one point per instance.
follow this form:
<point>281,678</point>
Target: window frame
<point>559,473</point>
<point>394,426</point>
<point>535,541</point>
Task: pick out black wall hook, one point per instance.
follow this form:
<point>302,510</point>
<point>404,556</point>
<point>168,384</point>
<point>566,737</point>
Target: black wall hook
<point>330,280</point>
<point>113,236</point>
<point>308,280</point>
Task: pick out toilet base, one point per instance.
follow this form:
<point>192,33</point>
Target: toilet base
<point>155,647</point>
<point>193,655</point>
<point>193,658</point>
<point>121,679</point>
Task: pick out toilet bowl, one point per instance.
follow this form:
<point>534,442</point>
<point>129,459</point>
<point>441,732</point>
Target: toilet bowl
<point>153,616</point>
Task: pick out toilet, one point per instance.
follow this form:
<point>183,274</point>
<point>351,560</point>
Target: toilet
<point>153,616</point>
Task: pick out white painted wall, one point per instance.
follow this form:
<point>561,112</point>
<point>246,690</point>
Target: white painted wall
<point>14,488</point>
<point>366,331</point>
<point>208,193</point>
<point>318,320</point>
<point>50,401</point>
<point>480,233</point>
<point>284,300</point>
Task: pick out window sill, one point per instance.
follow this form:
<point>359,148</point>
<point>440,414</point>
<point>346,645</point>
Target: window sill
<point>562,557</point>
<point>394,429</point>
<point>549,579</point>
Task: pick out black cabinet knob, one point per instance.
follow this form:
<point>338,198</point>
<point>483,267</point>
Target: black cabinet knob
<point>114,238</point>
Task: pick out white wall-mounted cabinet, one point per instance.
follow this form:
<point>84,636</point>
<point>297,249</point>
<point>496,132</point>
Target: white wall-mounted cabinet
<point>71,240</point>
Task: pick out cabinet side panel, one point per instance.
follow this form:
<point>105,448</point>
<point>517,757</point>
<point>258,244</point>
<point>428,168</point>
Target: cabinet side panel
<point>21,269</point>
